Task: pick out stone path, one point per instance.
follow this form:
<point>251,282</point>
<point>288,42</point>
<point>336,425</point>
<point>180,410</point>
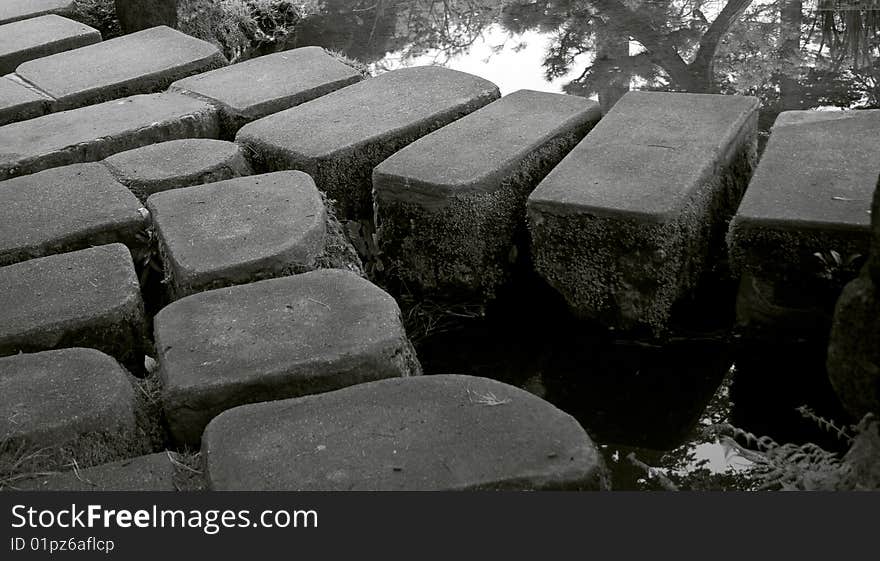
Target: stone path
<point>353,129</point>
<point>626,224</point>
<point>448,214</point>
<point>266,331</point>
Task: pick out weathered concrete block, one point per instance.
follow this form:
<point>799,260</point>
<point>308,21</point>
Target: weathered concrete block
<point>240,230</point>
<point>177,163</point>
<point>19,102</point>
<point>253,89</point>
<point>15,10</point>
<point>86,298</point>
<point>154,472</point>
<point>425,433</point>
<point>246,229</point>
<point>135,15</point>
<point>810,194</point>
<point>275,339</point>
<point>65,209</point>
<point>627,223</point>
<point>450,205</point>
<point>143,62</point>
<point>76,401</point>
<point>352,130</point>
<point>29,39</point>
<point>95,132</point>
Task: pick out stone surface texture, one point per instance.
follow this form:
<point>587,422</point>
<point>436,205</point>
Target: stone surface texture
<point>255,88</point>
<point>144,62</point>
<point>15,10</point>
<point>19,102</point>
<point>352,130</point>
<point>628,222</point>
<point>239,230</point>
<point>87,298</point>
<point>30,39</point>
<point>177,163</point>
<point>451,205</point>
<point>441,432</point>
<point>77,399</point>
<point>275,339</point>
<point>95,132</point>
<point>65,209</point>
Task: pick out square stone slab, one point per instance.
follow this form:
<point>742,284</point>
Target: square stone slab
<point>143,62</point>
<point>87,298</point>
<point>239,230</point>
<point>255,88</point>
<point>79,399</point>
<point>352,130</point>
<point>408,434</point>
<point>275,339</point>
<point>450,205</point>
<point>18,102</point>
<point>65,209</point>
<point>95,132</point>
<point>627,223</point>
<point>43,36</point>
<point>177,163</point>
<point>14,10</point>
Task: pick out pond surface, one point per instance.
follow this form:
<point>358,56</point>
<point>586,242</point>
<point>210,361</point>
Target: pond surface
<point>631,395</point>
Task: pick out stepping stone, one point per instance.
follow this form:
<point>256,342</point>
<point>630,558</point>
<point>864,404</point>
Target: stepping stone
<point>275,339</point>
<point>177,163</point>
<point>441,432</point>
<point>74,79</point>
<point>629,221</point>
<point>154,472</point>
<point>43,36</point>
<point>14,10</point>
<point>18,102</point>
<point>77,399</point>
<point>239,231</point>
<point>65,209</point>
<point>86,298</point>
<point>810,194</point>
<point>253,89</point>
<point>450,205</point>
<point>350,131</point>
<point>95,132</point>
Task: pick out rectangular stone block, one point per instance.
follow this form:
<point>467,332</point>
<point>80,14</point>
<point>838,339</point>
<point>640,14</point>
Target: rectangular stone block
<point>87,298</point>
<point>628,222</point>
<point>19,102</point>
<point>339,138</point>
<point>69,403</point>
<point>65,209</point>
<point>253,89</point>
<point>450,205</point>
<point>29,39</point>
<point>275,339</point>
<point>811,193</point>
<point>143,62</point>
<point>95,132</point>
<point>14,10</point>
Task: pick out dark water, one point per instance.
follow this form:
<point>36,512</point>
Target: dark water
<point>632,395</point>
